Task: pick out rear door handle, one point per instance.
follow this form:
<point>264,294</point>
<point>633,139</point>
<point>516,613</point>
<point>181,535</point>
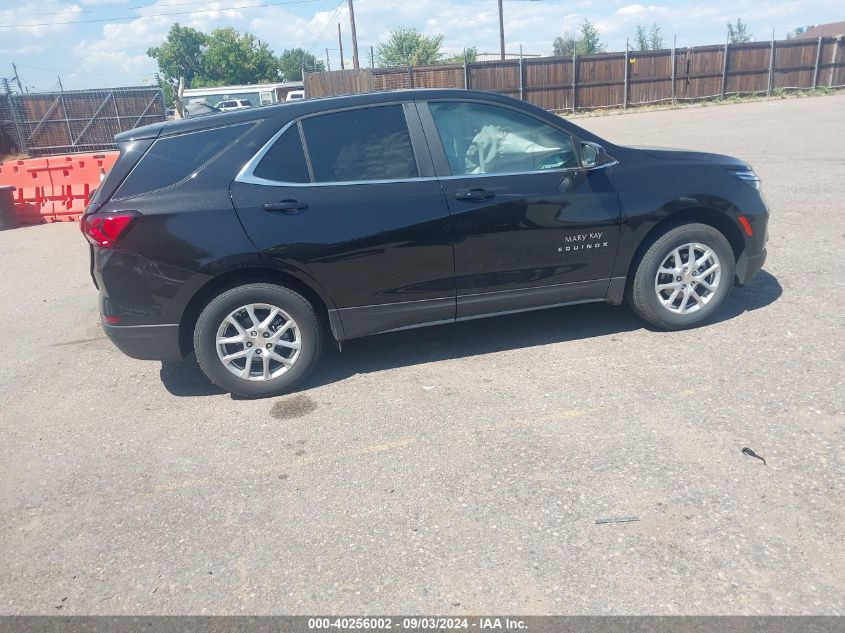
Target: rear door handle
<point>286,206</point>
<point>474,195</point>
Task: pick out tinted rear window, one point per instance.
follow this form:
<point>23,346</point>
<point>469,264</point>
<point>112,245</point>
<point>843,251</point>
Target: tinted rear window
<point>285,162</point>
<point>363,144</point>
<point>173,158</point>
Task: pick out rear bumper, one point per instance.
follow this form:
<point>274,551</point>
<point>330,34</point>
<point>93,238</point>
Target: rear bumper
<point>146,342</point>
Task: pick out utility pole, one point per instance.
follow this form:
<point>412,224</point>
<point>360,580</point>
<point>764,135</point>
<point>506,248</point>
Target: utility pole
<point>340,44</point>
<point>61,87</point>
<point>354,36</point>
<point>18,79</point>
<point>328,63</point>
<point>501,30</point>
<point>372,58</point>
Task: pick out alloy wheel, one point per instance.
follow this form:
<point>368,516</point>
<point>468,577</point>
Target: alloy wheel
<point>688,278</point>
<point>258,342</point>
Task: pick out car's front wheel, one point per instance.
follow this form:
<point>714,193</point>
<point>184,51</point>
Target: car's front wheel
<point>683,277</point>
<point>258,340</point>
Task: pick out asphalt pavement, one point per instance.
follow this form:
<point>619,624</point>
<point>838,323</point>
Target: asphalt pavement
<point>456,469</point>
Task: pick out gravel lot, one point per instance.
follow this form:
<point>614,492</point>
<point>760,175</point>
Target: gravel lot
<point>456,469</point>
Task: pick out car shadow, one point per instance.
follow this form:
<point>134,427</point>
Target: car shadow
<point>471,338</point>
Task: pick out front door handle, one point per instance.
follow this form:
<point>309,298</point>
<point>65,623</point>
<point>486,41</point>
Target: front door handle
<point>474,195</point>
<point>286,206</point>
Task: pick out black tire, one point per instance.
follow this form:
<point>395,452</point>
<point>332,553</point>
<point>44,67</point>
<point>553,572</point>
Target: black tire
<point>297,307</point>
<point>642,294</point>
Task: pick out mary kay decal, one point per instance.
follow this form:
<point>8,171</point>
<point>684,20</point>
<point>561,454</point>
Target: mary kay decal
<point>583,241</point>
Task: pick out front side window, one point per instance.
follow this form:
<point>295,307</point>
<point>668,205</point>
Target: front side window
<point>362,144</point>
<point>285,160</point>
<point>487,139</point>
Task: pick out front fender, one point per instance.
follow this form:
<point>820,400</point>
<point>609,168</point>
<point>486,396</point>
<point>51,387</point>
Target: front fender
<point>655,196</point>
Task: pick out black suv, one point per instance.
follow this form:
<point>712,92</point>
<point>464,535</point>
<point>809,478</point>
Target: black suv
<point>247,236</point>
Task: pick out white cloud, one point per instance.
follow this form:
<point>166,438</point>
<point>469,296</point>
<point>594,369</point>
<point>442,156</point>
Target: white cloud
<point>633,9</point>
<point>26,49</point>
<point>33,20</point>
<point>115,52</point>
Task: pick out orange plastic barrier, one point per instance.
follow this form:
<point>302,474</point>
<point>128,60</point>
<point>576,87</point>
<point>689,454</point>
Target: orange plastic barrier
<point>33,187</point>
<point>55,188</point>
<point>75,177</point>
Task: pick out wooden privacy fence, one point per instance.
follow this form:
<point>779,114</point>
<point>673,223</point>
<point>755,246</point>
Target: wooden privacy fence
<point>612,80</point>
<point>78,120</point>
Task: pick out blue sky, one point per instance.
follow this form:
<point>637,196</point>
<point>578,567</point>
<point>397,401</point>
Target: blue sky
<point>99,43</point>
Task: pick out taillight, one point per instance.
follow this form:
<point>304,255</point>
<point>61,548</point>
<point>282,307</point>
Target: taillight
<point>104,229</point>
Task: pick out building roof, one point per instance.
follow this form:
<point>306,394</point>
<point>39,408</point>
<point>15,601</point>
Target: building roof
<point>831,29</point>
<point>224,90</point>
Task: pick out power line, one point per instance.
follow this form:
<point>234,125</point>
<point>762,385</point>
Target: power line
<point>336,11</point>
<point>79,72</point>
<point>159,15</point>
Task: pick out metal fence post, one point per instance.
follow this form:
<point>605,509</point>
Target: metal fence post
<point>625,81</point>
<point>833,61</point>
<point>574,80</point>
<point>21,142</point>
<point>816,67</point>
<point>410,76</point>
<point>771,66</point>
<point>466,76</point>
<point>522,79</point>
<point>725,70</point>
<point>674,44</point>
<point>67,122</point>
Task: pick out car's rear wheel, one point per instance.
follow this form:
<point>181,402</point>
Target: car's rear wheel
<point>258,340</point>
<point>683,277</point>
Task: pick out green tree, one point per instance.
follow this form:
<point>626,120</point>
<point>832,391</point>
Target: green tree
<point>409,47</point>
<point>292,60</point>
<point>655,37</point>
<point>168,90</point>
<point>468,57</point>
<point>590,42</point>
<point>180,55</point>
<point>234,58</point>
<point>641,39</point>
<point>738,33</point>
<point>565,45</point>
<point>226,56</point>
<point>650,40</point>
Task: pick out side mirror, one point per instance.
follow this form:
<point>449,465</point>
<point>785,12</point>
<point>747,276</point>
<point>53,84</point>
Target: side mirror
<point>594,155</point>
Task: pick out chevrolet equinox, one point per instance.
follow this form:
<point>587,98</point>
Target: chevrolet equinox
<point>250,236</point>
